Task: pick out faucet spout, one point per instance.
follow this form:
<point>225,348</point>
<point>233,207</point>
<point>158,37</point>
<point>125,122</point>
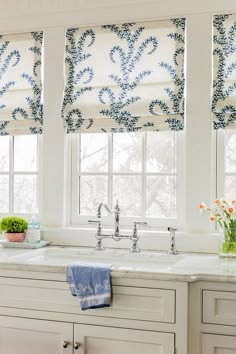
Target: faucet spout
<point>102,205</point>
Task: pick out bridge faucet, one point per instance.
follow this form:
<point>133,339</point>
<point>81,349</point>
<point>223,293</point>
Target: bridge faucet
<point>116,236</point>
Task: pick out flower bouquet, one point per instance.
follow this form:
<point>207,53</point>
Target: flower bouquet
<point>224,213</point>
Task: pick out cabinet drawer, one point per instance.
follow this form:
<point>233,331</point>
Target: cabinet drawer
<point>136,303</point>
<point>219,307</point>
<point>218,344</point>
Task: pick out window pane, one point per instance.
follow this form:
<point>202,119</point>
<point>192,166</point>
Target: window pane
<point>127,173</point>
<point>25,153</point>
<point>4,194</point>
<point>127,152</point>
<point>25,194</point>
<point>127,189</point>
<point>230,187</point>
<point>161,198</point>
<point>93,190</point>
<point>230,150</point>
<point>4,153</point>
<point>160,152</point>
<point>94,153</point>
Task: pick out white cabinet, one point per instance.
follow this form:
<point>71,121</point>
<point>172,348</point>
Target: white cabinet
<point>212,328</point>
<point>146,317</point>
<point>135,303</point>
<point>212,344</point>
<point>107,340</point>
<point>219,307</point>
<point>26,336</point>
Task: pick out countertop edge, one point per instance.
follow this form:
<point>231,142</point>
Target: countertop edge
<point>18,268</point>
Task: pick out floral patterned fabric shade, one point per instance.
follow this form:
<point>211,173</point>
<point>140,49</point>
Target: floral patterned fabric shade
<point>21,109</point>
<point>224,73</point>
<point>125,78</point>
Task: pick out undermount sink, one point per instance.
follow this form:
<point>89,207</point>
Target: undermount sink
<point>65,256</point>
<point>12,253</point>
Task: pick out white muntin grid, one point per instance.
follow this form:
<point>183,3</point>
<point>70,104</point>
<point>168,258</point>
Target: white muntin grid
<point>153,221</point>
<point>11,174</point>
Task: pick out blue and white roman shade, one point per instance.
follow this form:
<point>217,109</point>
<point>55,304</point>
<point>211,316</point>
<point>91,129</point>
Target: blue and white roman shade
<point>125,78</point>
<point>21,109</point>
<point>224,71</point>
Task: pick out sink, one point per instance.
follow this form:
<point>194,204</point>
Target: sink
<point>12,253</point>
<point>65,256</point>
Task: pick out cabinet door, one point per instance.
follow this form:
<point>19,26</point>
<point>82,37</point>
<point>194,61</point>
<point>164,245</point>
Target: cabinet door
<point>105,340</point>
<point>26,336</point>
<point>212,344</point>
<point>219,307</point>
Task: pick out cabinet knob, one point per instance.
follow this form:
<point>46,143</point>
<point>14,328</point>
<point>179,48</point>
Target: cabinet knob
<point>65,344</point>
<point>76,345</point>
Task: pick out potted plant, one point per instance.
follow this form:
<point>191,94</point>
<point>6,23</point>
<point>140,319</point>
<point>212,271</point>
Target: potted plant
<point>14,228</point>
<point>224,213</point>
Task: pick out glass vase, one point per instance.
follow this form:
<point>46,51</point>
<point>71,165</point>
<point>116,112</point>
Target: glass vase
<point>228,242</point>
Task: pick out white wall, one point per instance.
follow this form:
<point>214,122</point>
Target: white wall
<point>49,13</point>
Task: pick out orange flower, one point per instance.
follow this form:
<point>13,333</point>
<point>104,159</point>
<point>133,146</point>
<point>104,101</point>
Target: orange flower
<point>217,201</point>
<point>230,210</point>
<point>212,218</point>
<point>202,206</point>
<point>234,201</point>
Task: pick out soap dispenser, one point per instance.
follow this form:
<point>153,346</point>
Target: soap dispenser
<point>33,232</point>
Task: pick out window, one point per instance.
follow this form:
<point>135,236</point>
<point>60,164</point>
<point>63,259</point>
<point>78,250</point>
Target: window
<point>18,174</point>
<point>227,165</point>
<point>138,169</point>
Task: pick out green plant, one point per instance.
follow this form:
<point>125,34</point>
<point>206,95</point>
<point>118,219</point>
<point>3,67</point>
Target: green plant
<point>13,224</point>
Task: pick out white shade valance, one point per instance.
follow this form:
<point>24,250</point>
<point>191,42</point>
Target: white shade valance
<point>125,78</point>
<point>20,83</point>
<point>224,71</point>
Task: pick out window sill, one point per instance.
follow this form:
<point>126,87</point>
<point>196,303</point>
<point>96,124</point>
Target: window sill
<point>150,239</point>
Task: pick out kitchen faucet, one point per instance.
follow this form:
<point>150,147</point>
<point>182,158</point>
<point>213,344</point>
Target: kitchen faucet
<point>116,236</point>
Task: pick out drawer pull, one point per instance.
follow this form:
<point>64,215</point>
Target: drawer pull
<point>65,344</point>
<point>76,345</point>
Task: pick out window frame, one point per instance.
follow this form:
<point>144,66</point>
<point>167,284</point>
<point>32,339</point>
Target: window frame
<point>157,223</point>
<point>56,206</point>
<point>220,163</point>
<point>220,168</point>
<point>11,173</point>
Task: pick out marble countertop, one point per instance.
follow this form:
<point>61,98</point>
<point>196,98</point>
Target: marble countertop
<point>145,265</point>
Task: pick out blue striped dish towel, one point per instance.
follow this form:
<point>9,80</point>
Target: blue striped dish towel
<point>91,284</point>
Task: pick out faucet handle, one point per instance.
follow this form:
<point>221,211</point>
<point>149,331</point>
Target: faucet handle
<point>143,223</point>
<point>98,234</point>
<point>94,221</point>
<point>171,229</point>
<point>135,236</point>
